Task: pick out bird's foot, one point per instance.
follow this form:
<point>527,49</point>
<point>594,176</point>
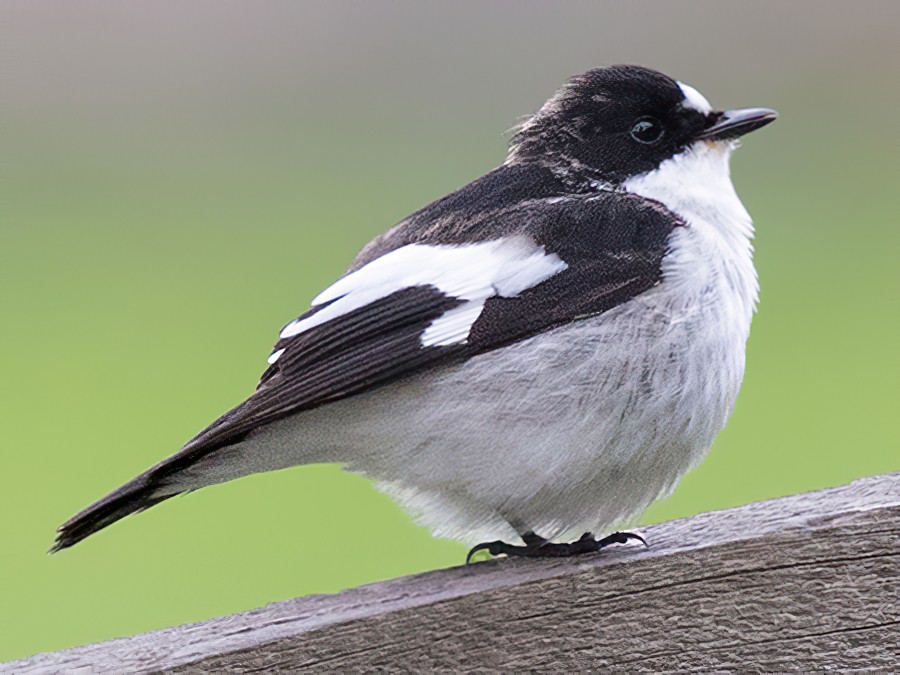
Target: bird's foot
<point>538,547</point>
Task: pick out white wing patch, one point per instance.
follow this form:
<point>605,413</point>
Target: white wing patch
<point>470,272</point>
<point>694,100</point>
<point>453,326</point>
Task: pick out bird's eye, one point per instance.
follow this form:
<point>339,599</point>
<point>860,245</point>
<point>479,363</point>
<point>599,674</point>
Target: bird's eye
<point>647,130</point>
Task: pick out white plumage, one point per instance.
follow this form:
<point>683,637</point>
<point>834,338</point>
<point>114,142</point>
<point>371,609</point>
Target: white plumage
<point>470,272</point>
<point>694,100</point>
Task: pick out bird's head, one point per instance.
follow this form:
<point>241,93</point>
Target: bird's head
<point>611,124</point>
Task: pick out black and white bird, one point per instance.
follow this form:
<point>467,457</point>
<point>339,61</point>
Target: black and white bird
<point>540,354</point>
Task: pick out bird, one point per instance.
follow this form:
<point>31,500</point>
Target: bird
<point>532,360</point>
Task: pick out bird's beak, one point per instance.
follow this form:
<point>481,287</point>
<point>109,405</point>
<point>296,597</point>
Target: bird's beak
<point>735,123</point>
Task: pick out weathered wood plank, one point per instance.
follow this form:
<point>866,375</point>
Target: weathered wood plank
<point>808,581</point>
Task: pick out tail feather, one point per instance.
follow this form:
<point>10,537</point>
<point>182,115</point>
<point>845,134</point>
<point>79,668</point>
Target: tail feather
<point>136,495</point>
<point>153,486</point>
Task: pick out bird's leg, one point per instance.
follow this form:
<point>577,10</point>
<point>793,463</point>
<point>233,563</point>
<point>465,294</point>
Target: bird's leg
<point>538,547</point>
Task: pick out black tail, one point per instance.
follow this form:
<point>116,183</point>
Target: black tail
<point>136,495</point>
<point>153,486</point>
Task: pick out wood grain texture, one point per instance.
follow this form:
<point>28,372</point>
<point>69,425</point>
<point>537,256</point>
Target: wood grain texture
<point>803,582</point>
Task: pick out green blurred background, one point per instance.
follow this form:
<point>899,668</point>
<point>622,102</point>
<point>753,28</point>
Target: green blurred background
<point>179,179</point>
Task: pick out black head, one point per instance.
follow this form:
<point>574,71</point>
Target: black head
<point>613,123</point>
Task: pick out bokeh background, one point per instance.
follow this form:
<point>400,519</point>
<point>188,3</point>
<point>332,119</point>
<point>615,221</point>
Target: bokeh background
<point>179,179</point>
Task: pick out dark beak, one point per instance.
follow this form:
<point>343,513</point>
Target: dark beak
<point>735,123</point>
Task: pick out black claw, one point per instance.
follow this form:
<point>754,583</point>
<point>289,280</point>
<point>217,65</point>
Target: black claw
<point>484,546</point>
<point>622,538</point>
<point>538,547</point>
<point>532,543</point>
<point>498,547</point>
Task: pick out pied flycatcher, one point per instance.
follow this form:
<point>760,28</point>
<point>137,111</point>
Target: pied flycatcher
<point>542,353</point>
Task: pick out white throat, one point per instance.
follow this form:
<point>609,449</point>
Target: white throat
<point>696,186</point>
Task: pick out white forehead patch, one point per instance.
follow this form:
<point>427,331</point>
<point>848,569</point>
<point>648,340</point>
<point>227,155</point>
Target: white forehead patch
<point>694,100</point>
